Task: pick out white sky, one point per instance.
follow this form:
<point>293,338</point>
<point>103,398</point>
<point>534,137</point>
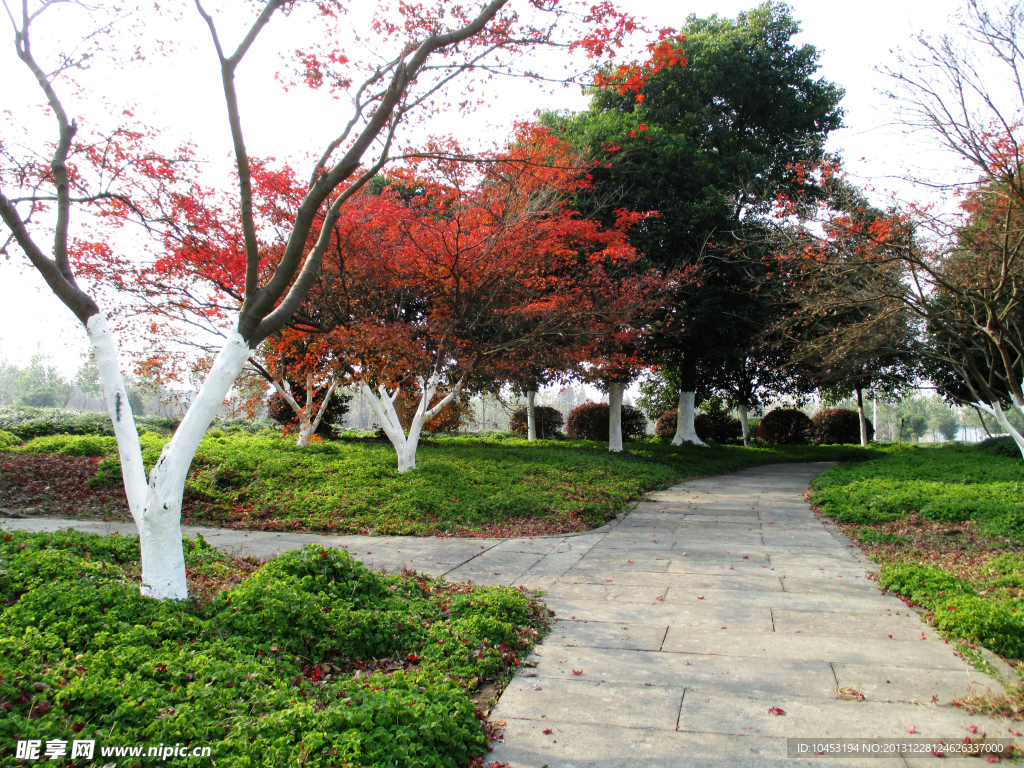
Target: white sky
<point>853,39</point>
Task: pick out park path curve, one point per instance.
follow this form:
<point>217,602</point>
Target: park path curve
<point>681,624</point>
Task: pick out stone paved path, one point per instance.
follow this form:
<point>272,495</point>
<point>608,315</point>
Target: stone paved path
<point>679,626</point>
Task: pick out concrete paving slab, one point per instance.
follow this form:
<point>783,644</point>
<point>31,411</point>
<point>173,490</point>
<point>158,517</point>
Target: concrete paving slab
<point>706,710</point>
<point>907,684</point>
<point>572,745</point>
<point>778,600</point>
<point>698,614</point>
<point>598,634</point>
<point>732,674</point>
<point>628,705</point>
<point>838,648</point>
<point>880,625</point>
<point>756,581</point>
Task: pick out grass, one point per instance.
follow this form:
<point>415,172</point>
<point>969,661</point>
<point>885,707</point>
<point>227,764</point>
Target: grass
<point>309,660</point>
<point>946,523</point>
<point>482,486</point>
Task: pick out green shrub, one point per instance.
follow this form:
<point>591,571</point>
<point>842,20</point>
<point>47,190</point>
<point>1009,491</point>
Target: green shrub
<point>785,426</point>
<point>838,426</point>
<point>548,422</point>
<point>28,423</point>
<point>666,424</point>
<point>8,440</point>
<point>263,674</point>
<point>958,611</point>
<point>1000,446</point>
<point>718,427</point>
<point>71,445</point>
<point>870,536</point>
<point>590,422</point>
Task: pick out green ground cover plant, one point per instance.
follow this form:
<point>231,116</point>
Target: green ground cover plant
<point>946,522</point>
<point>310,659</point>
<point>497,485</point>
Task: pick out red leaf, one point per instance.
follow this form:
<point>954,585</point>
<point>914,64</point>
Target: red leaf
<point>776,711</point>
<point>911,729</point>
<point>577,671</point>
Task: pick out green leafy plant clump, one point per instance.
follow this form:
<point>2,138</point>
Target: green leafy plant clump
<point>958,610</point>
<point>311,660</point>
<point>945,483</point>
<point>8,440</point>
<point>497,485</point>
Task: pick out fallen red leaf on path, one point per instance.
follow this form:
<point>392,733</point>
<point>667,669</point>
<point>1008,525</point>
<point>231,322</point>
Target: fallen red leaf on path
<point>547,731</point>
<point>577,671</point>
<point>911,729</point>
<point>774,710</point>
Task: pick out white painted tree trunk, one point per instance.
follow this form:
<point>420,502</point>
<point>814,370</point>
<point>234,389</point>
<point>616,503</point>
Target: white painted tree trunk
<point>745,424</point>
<point>308,423</point>
<point>863,420</point>
<point>685,431</point>
<point>995,410</point>
<point>383,405</point>
<point>156,505</point>
<point>615,417</point>
<point>531,415</point>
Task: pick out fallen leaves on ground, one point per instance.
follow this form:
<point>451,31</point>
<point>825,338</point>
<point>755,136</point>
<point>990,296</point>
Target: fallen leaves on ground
<point>847,693</point>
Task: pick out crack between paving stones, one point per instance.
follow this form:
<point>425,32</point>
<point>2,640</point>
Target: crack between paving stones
<point>471,558</point>
<point>771,614</point>
<point>679,715</point>
<point>661,645</point>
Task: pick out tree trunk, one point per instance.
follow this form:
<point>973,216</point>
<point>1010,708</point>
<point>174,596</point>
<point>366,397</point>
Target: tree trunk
<point>685,431</point>
<point>156,505</point>
<point>615,417</point>
<point>745,424</point>
<point>383,405</point>
<point>863,421</point>
<point>308,423</point>
<point>531,417</point>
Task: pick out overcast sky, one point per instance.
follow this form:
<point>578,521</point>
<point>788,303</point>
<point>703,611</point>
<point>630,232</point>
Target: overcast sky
<point>854,39</point>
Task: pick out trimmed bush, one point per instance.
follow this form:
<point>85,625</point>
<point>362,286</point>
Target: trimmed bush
<point>718,427</point>
<point>785,426</point>
<point>838,426</point>
<point>590,422</point>
<point>548,420</point>
<point>666,426</point>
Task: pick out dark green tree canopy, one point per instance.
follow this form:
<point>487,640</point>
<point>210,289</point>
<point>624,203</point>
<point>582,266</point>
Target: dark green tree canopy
<point>711,144</point>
